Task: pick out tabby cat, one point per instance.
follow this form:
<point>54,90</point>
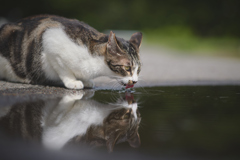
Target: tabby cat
<point>49,49</point>
<point>58,123</point>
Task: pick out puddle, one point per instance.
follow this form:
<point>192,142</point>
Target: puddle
<point>150,123</point>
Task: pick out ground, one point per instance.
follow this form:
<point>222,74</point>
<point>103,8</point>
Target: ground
<point>160,68</point>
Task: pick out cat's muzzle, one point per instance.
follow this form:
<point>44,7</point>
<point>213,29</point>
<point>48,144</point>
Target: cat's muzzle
<point>130,82</point>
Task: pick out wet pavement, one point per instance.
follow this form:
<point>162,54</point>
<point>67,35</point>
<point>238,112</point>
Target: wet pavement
<point>181,122</point>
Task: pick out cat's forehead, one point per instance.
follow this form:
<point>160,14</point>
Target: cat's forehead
<point>130,51</point>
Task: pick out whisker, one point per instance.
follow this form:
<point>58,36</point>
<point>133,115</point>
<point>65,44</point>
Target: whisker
<point>143,88</point>
<point>113,86</point>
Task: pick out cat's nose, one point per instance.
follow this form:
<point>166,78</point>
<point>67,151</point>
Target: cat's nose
<point>130,82</point>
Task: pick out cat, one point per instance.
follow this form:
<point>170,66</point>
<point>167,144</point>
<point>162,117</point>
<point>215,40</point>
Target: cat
<point>73,120</point>
<point>48,49</point>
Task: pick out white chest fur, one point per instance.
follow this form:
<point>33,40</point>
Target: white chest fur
<point>69,119</point>
<point>65,60</point>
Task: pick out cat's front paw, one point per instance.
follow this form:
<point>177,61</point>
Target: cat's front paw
<point>88,84</point>
<point>74,85</point>
<point>73,97</point>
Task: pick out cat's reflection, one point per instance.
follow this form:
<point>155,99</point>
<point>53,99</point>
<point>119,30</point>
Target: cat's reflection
<point>74,119</point>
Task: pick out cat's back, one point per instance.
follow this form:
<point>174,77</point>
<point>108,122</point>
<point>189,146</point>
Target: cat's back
<point>26,26</point>
<point>21,37</point>
<point>35,26</point>
<point>21,45</point>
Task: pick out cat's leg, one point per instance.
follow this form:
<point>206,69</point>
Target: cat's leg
<point>66,103</point>
<point>56,132</point>
<point>88,84</point>
<point>66,75</point>
<point>70,81</point>
<point>54,112</point>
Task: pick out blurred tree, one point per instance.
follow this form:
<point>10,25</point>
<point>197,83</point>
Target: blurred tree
<point>205,17</point>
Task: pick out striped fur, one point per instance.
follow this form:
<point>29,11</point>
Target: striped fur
<point>56,123</point>
<point>49,49</point>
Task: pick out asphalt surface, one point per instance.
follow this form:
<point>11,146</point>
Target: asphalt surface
<point>160,68</point>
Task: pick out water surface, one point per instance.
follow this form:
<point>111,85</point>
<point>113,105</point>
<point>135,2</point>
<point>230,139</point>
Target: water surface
<point>199,122</point>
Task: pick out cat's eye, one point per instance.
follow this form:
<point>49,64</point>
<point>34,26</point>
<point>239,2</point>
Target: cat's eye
<point>127,68</point>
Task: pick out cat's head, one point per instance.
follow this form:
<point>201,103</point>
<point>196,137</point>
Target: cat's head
<point>122,124</point>
<point>123,58</point>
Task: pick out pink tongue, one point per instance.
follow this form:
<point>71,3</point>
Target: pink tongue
<point>129,86</point>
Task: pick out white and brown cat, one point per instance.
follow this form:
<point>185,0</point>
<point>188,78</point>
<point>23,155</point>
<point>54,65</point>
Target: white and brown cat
<point>73,120</point>
<point>50,49</point>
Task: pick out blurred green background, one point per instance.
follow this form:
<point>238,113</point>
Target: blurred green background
<point>208,26</point>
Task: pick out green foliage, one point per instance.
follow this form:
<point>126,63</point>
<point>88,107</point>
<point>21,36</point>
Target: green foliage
<point>205,17</point>
<point>206,25</point>
<point>183,38</point>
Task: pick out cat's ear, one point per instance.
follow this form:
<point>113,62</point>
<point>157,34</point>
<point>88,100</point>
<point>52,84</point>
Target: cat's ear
<point>112,45</point>
<point>136,39</point>
<point>134,141</point>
